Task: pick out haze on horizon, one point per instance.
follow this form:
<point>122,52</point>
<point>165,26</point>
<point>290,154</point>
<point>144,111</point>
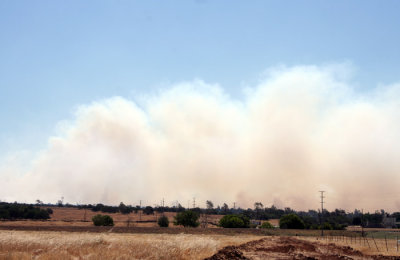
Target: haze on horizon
<point>163,103</point>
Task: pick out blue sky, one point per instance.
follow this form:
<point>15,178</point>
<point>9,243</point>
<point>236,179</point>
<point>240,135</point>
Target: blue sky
<point>55,55</point>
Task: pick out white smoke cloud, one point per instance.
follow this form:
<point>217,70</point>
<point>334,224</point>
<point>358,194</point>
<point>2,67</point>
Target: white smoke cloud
<point>300,130</point>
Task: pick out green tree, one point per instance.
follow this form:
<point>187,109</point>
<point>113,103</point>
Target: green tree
<point>234,221</point>
<point>210,205</point>
<point>102,220</point>
<point>225,209</point>
<point>148,210</point>
<point>291,221</point>
<point>163,221</point>
<point>327,226</point>
<point>124,209</point>
<point>22,211</point>
<point>187,218</point>
<point>266,224</point>
<point>356,221</point>
<point>258,206</point>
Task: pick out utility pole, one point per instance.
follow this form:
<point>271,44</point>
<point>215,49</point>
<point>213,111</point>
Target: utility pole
<point>194,202</point>
<point>362,222</point>
<point>155,211</point>
<point>322,212</point>
<point>140,212</point>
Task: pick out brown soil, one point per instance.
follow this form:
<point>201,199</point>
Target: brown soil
<point>290,248</point>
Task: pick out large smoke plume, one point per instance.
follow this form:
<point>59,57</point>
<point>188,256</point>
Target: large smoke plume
<point>300,130</point>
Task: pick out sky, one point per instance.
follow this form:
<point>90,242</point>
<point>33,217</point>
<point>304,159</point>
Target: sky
<point>68,65</point>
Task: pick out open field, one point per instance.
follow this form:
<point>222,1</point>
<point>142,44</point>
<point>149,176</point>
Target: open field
<point>67,235</point>
<point>64,216</point>
<point>106,245</point>
<point>66,245</point>
<point>83,217</point>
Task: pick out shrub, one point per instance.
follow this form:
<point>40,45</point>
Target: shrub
<point>187,218</point>
<point>253,225</point>
<point>291,221</point>
<point>314,226</point>
<point>102,220</point>
<point>266,224</point>
<point>327,226</point>
<point>163,221</point>
<point>234,221</point>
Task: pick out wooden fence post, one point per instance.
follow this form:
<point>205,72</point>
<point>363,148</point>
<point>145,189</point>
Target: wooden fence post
<point>366,238</point>
<point>375,243</point>
<point>386,244</point>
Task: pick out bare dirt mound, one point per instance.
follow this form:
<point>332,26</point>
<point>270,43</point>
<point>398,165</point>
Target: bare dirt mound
<point>290,248</point>
<point>229,252</point>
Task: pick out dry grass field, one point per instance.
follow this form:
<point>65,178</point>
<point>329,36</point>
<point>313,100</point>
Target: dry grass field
<point>66,245</point>
<point>77,245</point>
<point>63,216</point>
<point>68,236</point>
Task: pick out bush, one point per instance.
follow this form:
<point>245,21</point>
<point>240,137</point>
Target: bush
<point>234,221</point>
<point>102,220</point>
<point>266,224</point>
<point>327,226</point>
<point>187,218</point>
<point>163,221</point>
<point>291,221</point>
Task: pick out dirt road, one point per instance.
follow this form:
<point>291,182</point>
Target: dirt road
<point>290,248</point>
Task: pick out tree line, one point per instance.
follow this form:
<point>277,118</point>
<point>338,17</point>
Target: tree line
<point>14,211</point>
<point>337,219</point>
<point>311,219</point>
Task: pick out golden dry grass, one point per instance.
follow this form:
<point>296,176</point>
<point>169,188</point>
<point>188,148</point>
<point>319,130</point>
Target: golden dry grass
<point>64,216</point>
<point>66,245</point>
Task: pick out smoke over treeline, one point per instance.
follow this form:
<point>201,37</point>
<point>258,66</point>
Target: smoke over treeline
<point>300,130</point>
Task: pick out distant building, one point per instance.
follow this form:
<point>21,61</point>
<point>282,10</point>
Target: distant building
<point>388,222</point>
